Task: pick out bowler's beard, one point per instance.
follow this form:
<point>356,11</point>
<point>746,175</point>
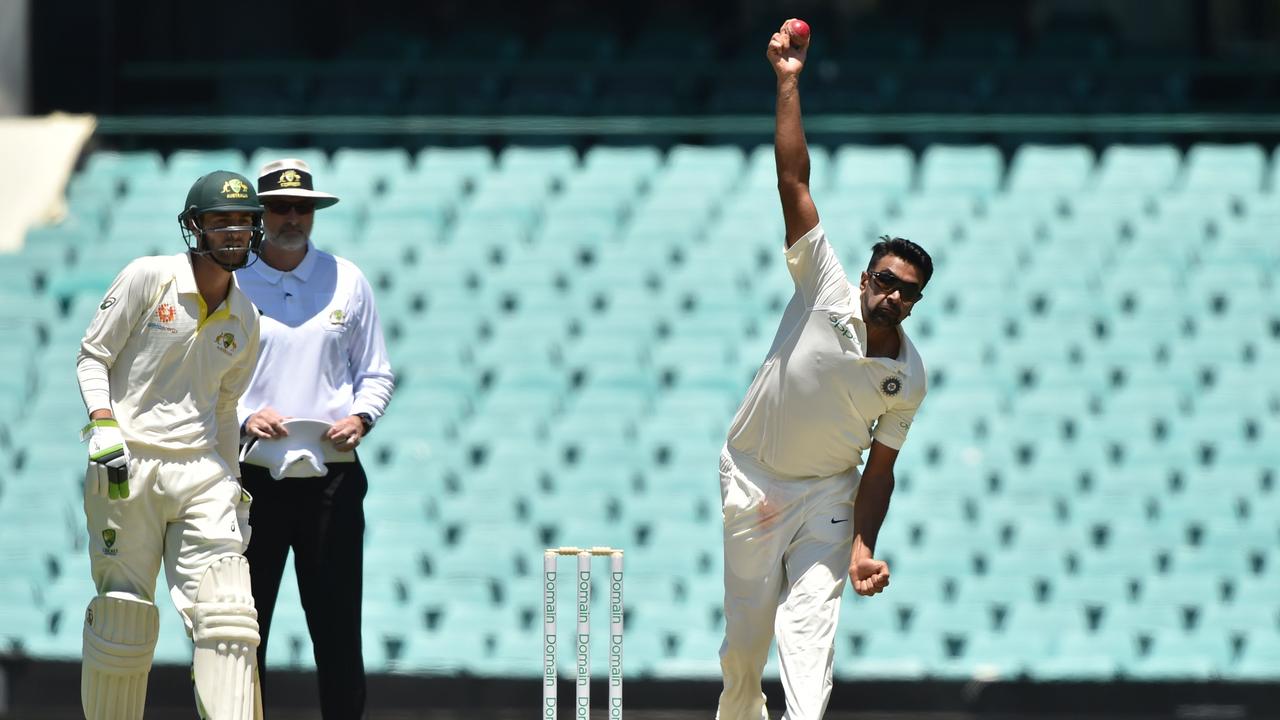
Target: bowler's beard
<point>289,239</point>
<point>883,316</point>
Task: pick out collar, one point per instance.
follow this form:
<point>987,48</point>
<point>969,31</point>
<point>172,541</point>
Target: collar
<point>302,272</point>
<point>907,358</point>
<point>856,295</point>
<point>184,275</point>
<point>184,281</point>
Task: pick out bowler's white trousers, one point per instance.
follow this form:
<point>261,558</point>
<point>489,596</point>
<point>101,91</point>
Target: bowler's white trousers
<point>184,508</point>
<point>787,546</point>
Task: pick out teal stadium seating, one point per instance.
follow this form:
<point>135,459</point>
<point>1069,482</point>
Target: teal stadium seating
<point>1090,491</point>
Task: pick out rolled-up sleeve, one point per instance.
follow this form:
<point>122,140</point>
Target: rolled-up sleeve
<point>817,271</point>
<point>892,427</point>
<point>125,303</point>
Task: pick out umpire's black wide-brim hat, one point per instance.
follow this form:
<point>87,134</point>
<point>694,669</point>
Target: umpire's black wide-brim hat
<point>291,177</point>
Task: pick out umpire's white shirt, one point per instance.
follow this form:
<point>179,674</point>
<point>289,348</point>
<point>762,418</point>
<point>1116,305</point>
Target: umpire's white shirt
<point>818,401</point>
<point>323,355</point>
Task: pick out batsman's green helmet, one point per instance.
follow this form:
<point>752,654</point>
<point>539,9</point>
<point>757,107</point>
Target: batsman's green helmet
<point>221,191</point>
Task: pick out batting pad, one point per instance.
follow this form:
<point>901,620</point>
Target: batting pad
<point>119,641</point>
<point>225,631</point>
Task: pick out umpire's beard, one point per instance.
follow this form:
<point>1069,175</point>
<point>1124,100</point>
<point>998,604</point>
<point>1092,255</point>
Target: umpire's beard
<point>289,240</point>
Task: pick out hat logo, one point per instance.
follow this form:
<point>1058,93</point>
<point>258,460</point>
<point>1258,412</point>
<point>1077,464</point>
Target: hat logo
<point>290,178</point>
<point>235,189</point>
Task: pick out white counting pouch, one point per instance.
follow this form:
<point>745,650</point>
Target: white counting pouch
<point>301,454</point>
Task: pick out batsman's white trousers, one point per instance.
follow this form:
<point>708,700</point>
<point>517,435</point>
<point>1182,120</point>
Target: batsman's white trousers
<point>184,509</point>
<point>787,546</point>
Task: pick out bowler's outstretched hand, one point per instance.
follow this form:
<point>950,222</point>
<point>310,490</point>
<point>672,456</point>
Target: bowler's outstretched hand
<point>786,51</point>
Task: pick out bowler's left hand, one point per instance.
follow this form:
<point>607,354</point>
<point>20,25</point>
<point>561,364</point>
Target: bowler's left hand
<point>869,576</point>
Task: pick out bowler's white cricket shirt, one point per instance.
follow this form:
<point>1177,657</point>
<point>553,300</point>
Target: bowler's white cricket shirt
<point>323,354</point>
<point>168,369</point>
<point>818,401</point>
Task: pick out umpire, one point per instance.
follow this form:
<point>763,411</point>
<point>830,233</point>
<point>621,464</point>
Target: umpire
<point>323,358</point>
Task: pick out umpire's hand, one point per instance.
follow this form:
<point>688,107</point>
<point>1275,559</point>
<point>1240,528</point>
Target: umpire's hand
<point>346,433</point>
<point>266,423</point>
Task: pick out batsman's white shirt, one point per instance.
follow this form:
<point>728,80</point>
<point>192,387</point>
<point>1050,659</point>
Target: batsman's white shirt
<point>174,370</point>
<point>818,401</point>
<point>323,354</point>
<point>171,371</point>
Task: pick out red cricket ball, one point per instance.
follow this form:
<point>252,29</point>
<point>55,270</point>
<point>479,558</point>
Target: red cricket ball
<point>799,31</point>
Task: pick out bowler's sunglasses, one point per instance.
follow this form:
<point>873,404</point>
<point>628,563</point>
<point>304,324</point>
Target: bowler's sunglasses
<point>282,208</point>
<point>886,282</point>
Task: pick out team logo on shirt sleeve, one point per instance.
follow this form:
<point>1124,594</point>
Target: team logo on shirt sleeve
<point>226,342</point>
<point>891,385</point>
<point>107,303</point>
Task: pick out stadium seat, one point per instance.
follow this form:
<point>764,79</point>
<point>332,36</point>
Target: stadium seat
<point>886,169</point>
<point>1050,169</point>
<point>117,166</point>
<point>316,159</point>
<point>890,656</point>
<point>1219,168</point>
<point>555,161</point>
<point>1077,656</point>
<point>961,168</point>
<point>1260,660</point>
<point>184,166</point>
<point>1137,168</point>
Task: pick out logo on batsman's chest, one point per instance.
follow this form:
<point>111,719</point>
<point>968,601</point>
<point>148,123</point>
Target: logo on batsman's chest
<point>166,313</point>
<point>226,342</point>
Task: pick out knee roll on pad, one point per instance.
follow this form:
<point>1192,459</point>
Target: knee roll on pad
<point>225,631</point>
<point>119,641</point>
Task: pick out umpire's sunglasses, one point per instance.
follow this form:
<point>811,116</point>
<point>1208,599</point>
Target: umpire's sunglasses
<point>282,207</point>
<point>886,282</point>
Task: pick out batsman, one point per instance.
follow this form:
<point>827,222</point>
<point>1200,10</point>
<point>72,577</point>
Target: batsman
<point>171,348</point>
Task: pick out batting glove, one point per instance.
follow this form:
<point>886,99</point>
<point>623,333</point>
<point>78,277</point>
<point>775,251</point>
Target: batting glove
<point>108,460</point>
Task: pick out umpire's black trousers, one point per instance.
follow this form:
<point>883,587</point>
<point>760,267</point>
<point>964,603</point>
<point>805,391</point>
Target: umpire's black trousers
<point>322,519</point>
